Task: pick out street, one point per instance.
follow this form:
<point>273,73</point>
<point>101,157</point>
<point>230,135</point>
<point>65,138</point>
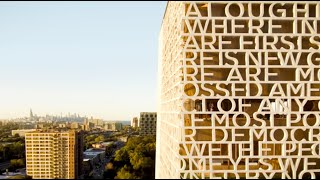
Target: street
<point>4,165</point>
<point>99,170</point>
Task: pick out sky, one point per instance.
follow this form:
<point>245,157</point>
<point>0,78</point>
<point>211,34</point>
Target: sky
<point>90,58</point>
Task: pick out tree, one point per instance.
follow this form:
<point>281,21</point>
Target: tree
<point>122,156</point>
<point>99,138</point>
<point>15,164</point>
<point>124,173</point>
<point>138,156</point>
<point>110,172</point>
<point>110,149</point>
<point>109,166</point>
<point>89,140</point>
<point>21,177</point>
<point>6,153</point>
<point>17,149</point>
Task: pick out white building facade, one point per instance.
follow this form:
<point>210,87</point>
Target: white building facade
<point>239,90</point>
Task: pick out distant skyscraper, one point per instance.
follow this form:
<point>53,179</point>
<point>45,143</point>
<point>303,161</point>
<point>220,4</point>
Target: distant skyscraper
<point>31,114</point>
<point>53,154</point>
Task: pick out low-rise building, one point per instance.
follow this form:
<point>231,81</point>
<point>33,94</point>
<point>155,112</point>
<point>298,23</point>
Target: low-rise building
<point>87,166</point>
<point>93,156</point>
<point>112,126</point>
<point>87,127</point>
<point>39,126</point>
<point>21,132</point>
<point>94,122</point>
<point>101,145</point>
<point>62,125</point>
<point>74,125</point>
<point>98,153</point>
<point>27,126</point>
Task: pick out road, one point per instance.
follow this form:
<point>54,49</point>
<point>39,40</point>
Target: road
<point>99,170</point>
<point>4,165</point>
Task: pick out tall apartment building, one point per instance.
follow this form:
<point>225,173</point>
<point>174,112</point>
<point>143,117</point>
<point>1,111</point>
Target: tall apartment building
<point>135,122</point>
<point>148,123</point>
<point>240,90</point>
<point>54,154</point>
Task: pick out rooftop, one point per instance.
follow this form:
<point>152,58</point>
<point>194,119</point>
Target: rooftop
<point>55,130</point>
<point>87,157</point>
<point>106,143</point>
<point>98,150</point>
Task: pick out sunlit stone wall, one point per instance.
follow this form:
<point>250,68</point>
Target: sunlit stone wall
<point>239,90</point>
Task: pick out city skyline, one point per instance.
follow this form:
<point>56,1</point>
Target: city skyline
<point>90,58</point>
<point>64,115</point>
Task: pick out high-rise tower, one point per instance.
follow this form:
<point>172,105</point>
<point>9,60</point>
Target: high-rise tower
<point>239,90</point>
<point>53,154</point>
<point>147,123</point>
<point>31,114</point>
